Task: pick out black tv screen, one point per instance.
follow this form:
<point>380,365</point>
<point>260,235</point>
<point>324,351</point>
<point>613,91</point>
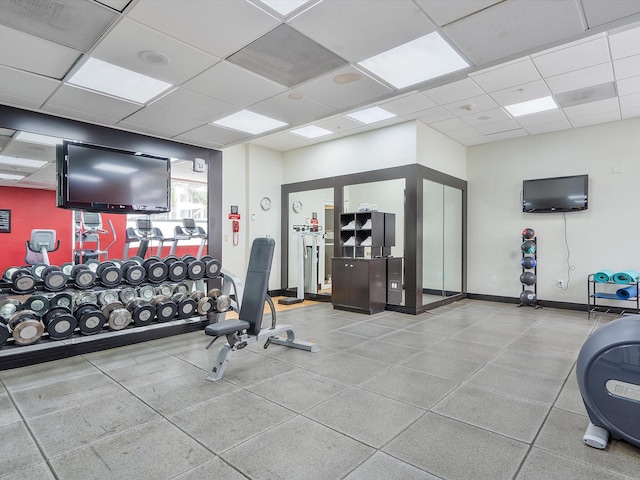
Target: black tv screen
<point>100,179</point>
<point>558,194</point>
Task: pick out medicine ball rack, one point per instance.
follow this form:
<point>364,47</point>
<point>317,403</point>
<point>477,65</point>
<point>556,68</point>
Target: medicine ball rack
<point>529,264</point>
<point>28,304</point>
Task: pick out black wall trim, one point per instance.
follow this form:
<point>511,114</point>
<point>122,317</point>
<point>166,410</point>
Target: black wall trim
<point>543,303</point>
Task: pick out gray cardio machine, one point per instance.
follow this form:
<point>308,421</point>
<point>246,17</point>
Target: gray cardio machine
<point>608,371</point>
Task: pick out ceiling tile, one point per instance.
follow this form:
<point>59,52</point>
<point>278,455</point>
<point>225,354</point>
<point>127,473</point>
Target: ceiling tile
<point>446,11</point>
<point>407,104</point>
<point>344,95</point>
<point>284,139</point>
<point>31,151</point>
<point>213,136</point>
<point>599,12</point>
<point>450,125</point>
<point>572,58</point>
<point>586,77</point>
<point>453,92</point>
<point>630,112</point>
<point>92,104</point>
<point>498,127</point>
<point>471,106</point>
<point>159,122</point>
<point>591,109</point>
<point>131,45</point>
<point>505,76</point>
<point>521,93</point>
<point>118,5</point>
<point>292,108</point>
<point>23,88</point>
<point>187,103</point>
<point>630,105</point>
<point>394,22</point>
<point>213,27</point>
<point>233,85</point>
<point>508,134</point>
<point>595,119</point>
<point>628,86</point>
<point>550,116</point>
<point>489,116</point>
<point>430,115</point>
<point>35,54</point>
<point>512,27</point>
<point>463,133</point>
<point>627,67</point>
<point>339,123</point>
<point>548,127</point>
<point>470,142</point>
<point>625,43</point>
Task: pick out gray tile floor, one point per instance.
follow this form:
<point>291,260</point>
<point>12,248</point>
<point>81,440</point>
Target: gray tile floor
<point>473,390</point>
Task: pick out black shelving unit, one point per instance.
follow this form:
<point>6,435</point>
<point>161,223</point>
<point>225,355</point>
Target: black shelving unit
<point>607,291</point>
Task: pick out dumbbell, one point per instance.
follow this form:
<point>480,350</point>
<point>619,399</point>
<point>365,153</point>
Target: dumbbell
<point>195,267</point>
<point>118,317</point>
<point>93,265</point>
<point>62,300</point>
<point>127,294</point>
<point>26,327</point>
<point>22,281</point>
<point>107,296</point>
<point>37,303</point>
<point>186,306</point>
<point>60,323</point>
<point>181,288</point>
<point>222,303</point>
<point>164,289</point>
<point>109,274</point>
<point>8,307</point>
<point>6,276</point>
<point>204,304</point>
<point>177,269</point>
<point>66,268</point>
<point>37,269</point>
<point>90,318</point>
<point>165,308</point>
<point>212,267</point>
<point>132,272</point>
<point>85,297</point>
<point>82,276</point>
<point>4,332</point>
<point>156,269</point>
<point>142,312</point>
<point>54,278</point>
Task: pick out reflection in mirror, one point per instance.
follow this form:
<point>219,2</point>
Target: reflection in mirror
<point>27,189</point>
<point>452,261</point>
<point>387,196</point>
<point>433,242</point>
<point>310,251</point>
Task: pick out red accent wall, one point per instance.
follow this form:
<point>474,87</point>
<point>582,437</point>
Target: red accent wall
<point>36,209</point>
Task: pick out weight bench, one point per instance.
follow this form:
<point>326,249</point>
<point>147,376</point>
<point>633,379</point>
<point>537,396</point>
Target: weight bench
<point>248,328</point>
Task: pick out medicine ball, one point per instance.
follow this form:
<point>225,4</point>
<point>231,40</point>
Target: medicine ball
<point>528,233</point>
<point>528,278</point>
<point>528,247</point>
<point>528,297</point>
<point>528,262</point>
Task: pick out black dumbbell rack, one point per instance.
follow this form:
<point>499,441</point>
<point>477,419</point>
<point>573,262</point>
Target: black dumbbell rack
<point>534,270</point>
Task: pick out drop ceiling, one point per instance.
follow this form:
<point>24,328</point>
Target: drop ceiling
<point>303,67</point>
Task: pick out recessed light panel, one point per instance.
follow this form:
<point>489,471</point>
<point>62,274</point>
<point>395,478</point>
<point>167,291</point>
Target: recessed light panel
<point>246,121</point>
<point>311,131</point>
<point>416,61</point>
<point>107,78</point>
<point>371,115</point>
<point>532,106</point>
<point>586,95</point>
<point>22,162</point>
<point>37,138</point>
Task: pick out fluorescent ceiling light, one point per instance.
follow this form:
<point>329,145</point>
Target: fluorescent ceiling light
<point>8,176</point>
<point>117,81</point>
<point>249,122</point>
<point>371,115</point>
<point>110,167</point>
<point>532,106</point>
<point>284,7</point>
<point>21,162</point>
<point>416,61</point>
<point>37,138</point>
<point>311,131</point>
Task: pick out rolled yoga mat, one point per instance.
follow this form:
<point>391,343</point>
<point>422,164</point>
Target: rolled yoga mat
<point>627,292</point>
<point>603,276</point>
<point>626,277</point>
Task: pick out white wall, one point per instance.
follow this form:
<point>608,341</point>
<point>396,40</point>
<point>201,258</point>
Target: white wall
<point>437,151</point>
<point>250,173</point>
<point>607,235</point>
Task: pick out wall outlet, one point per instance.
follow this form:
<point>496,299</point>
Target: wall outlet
<point>560,283</point>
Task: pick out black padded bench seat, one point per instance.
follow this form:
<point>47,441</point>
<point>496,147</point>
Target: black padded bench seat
<point>226,327</point>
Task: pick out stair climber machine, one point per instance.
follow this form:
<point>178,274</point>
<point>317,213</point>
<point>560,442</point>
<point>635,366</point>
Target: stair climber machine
<point>306,263</point>
<point>608,371</point>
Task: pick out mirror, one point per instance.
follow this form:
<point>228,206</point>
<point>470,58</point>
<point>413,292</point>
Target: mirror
<point>310,251</point>
<point>442,242</point>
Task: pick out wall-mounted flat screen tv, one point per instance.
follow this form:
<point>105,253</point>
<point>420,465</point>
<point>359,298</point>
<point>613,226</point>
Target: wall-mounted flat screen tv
<point>100,179</point>
<point>558,194</point>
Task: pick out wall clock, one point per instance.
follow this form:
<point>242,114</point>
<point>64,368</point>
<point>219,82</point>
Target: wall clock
<point>297,206</point>
<point>265,203</point>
